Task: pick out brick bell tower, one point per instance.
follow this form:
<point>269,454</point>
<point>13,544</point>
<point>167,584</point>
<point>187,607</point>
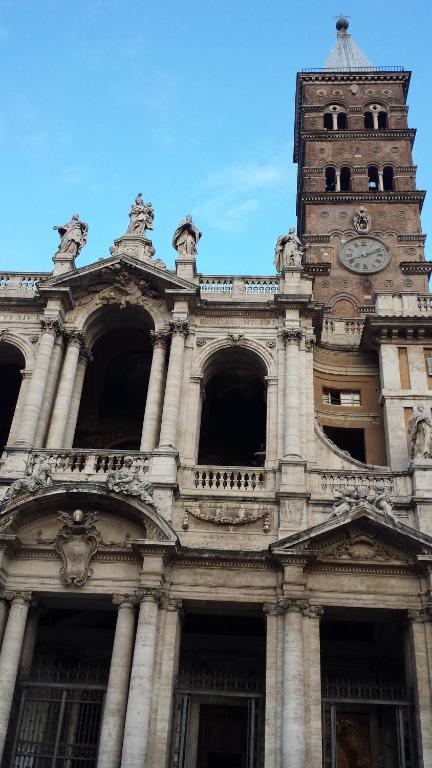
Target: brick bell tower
<point>358,206</point>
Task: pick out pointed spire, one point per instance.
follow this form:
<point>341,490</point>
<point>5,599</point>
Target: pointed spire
<point>346,54</point>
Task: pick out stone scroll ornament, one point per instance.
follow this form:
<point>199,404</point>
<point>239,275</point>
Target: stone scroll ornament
<point>73,235</point>
<point>288,251</point>
<point>354,496</point>
<point>76,543</point>
<point>126,480</point>
<point>38,476</point>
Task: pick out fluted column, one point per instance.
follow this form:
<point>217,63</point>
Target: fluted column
<point>32,407</point>
<point>114,713</point>
<point>72,418</point>
<point>292,338</point>
<point>153,408</point>
<point>140,689</point>
<point>171,406</point>
<point>10,656</point>
<point>65,390</point>
<point>293,700</point>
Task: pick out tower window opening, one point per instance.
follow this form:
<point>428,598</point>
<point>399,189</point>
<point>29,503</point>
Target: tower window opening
<point>345,179</point>
<point>373,178</point>
<point>328,121</point>
<point>330,179</point>
<point>342,121</point>
<point>382,121</point>
<point>368,121</point>
<point>348,439</point>
<point>388,178</point>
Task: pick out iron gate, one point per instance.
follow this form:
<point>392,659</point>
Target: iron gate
<point>54,725</point>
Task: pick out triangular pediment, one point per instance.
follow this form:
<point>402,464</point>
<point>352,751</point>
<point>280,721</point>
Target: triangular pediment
<point>362,535</point>
<point>118,271</point>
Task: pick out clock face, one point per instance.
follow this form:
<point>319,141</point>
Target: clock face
<point>364,255</point>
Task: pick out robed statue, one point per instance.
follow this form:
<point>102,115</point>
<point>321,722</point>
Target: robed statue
<point>73,235</point>
<point>141,217</point>
<point>420,434</point>
<point>185,237</point>
<point>288,251</point>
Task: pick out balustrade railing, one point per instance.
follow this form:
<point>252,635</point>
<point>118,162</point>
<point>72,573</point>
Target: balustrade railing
<point>261,286</point>
<point>86,464</point>
<point>229,479</point>
<point>20,281</point>
<point>327,482</point>
<point>216,286</point>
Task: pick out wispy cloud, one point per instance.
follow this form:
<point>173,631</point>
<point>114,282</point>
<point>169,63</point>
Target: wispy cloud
<point>230,195</point>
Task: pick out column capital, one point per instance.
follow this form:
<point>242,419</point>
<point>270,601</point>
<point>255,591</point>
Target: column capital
<point>172,604</point>
<point>421,616</point>
<point>292,336</point>
<point>51,325</point>
<point>293,605</point>
<point>16,596</point>
<point>159,338</point>
<point>179,327</point>
<point>310,342</point>
<point>75,338</point>
<point>124,600</point>
<point>149,594</point>
<point>272,609</point>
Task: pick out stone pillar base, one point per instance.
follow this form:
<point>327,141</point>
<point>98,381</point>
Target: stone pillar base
<point>163,466</point>
<point>136,246</point>
<point>292,475</point>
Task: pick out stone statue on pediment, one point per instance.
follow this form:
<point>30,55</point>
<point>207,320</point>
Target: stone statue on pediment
<point>126,480</point>
<point>420,434</point>
<point>288,251</point>
<point>38,475</point>
<point>186,237</point>
<point>73,235</point>
<point>141,217</point>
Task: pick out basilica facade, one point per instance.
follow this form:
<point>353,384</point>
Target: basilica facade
<point>216,490</point>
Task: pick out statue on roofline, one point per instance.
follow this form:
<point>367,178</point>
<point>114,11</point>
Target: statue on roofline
<point>141,217</point>
<point>288,251</point>
<point>73,235</point>
<point>186,237</point>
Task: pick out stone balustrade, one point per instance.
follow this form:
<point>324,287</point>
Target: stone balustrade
<point>339,330</point>
<point>404,304</point>
<point>86,464</point>
<point>239,288</point>
<point>239,481</point>
<point>322,483</point>
<point>20,282</point>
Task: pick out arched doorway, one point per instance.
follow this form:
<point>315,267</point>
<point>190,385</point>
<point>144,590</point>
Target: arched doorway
<point>11,364</point>
<point>233,419</point>
<point>115,387</point>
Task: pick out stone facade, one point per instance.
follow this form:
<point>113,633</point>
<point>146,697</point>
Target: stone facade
<point>216,491</point>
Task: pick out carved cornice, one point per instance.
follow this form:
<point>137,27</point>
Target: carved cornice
<point>362,135</point>
<point>328,198</point>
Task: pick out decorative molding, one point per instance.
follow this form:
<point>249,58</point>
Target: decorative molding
<point>179,327</point>
<point>148,594</point>
<point>292,335</point>
<point>16,595</point>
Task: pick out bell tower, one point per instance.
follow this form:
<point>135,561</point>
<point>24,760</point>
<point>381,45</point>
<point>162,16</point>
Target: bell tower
<point>358,206</point>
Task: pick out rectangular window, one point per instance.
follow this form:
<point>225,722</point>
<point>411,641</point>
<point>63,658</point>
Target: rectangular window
<point>429,365</point>
<point>341,397</point>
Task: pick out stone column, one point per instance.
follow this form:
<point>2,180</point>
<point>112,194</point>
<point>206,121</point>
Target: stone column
<point>311,625</point>
<point>22,395</point>
<point>334,120</point>
<point>29,641</point>
<point>271,700</point>
<point>153,408</point>
<point>136,728</point>
<point>375,120</point>
<point>272,419</point>
<point>3,618</point>
<point>114,712</point>
<point>64,395</point>
<point>36,390</point>
<point>292,338</point>
<point>168,672</point>
<point>293,700</point>
<point>10,656</point>
<point>421,644</point>
<point>171,406</point>
<point>338,189</point>
<point>50,391</point>
<point>380,180</point>
<point>72,418</point>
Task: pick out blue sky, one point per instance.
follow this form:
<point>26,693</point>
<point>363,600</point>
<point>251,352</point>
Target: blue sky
<point>190,102</point>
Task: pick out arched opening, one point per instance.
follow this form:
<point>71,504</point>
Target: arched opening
<point>345,179</point>
<point>342,121</point>
<point>11,364</point>
<point>330,179</point>
<point>368,121</point>
<point>328,121</point>
<point>373,178</point>
<point>233,419</point>
<point>115,386</point>
<point>382,121</point>
<point>388,178</point>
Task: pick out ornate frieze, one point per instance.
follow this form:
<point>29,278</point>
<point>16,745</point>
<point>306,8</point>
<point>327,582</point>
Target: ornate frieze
<point>352,497</point>
<point>228,514</point>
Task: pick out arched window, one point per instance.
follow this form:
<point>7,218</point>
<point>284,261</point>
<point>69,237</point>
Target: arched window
<point>382,121</point>
<point>345,179</point>
<point>115,387</point>
<point>328,121</point>
<point>368,121</point>
<point>373,178</point>
<point>330,179</point>
<point>11,364</point>
<point>233,419</point>
<point>375,118</point>
<point>342,121</point>
<point>388,178</point>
